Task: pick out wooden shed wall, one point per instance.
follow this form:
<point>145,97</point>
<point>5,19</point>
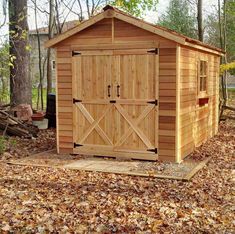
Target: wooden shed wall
<point>197,124</point>
<point>113,34</point>
<point>167,104</point>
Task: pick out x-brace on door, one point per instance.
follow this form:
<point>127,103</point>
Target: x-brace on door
<point>115,103</point>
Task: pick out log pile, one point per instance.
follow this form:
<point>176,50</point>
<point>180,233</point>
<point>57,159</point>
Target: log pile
<point>11,125</point>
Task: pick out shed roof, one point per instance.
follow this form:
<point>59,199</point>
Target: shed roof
<point>111,12</point>
<point>66,26</point>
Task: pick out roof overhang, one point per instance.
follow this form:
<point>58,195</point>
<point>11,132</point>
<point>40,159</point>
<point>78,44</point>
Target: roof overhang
<point>111,12</point>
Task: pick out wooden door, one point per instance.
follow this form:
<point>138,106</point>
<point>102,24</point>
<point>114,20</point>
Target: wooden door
<point>136,105</point>
<point>115,103</point>
<point>92,110</point>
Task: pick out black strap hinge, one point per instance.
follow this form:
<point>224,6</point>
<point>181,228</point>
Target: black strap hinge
<point>155,102</point>
<point>76,100</point>
<point>152,150</point>
<point>112,101</point>
<point>155,51</point>
<point>75,53</point>
<point>76,145</point>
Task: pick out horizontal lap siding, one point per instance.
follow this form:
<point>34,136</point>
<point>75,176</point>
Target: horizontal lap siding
<point>167,104</point>
<point>95,34</point>
<point>197,124</point>
<point>64,100</point>
<point>124,32</point>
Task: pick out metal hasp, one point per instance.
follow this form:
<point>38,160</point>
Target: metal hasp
<point>76,100</point>
<point>153,150</point>
<point>155,102</point>
<point>75,53</point>
<point>76,145</point>
<point>155,51</point>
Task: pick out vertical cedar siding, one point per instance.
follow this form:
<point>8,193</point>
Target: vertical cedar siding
<point>125,33</point>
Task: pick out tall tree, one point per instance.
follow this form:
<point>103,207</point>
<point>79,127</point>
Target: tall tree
<point>40,67</point>
<point>178,17</point>
<point>230,30</point>
<point>50,35</point>
<point>20,83</point>
<point>199,20</point>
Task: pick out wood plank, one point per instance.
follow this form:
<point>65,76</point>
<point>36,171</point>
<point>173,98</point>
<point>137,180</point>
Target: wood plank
<point>166,139</point>
<point>148,27</point>
<point>65,133</point>
<point>66,145</point>
<point>75,30</point>
<point>127,155</point>
<point>66,85</point>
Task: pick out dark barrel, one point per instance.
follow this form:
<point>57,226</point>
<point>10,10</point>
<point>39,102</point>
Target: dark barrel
<point>51,110</point>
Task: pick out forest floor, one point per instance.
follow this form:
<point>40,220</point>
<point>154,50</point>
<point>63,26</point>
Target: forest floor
<point>42,200</point>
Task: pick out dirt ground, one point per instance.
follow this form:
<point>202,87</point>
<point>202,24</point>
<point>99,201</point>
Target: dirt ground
<point>46,200</point>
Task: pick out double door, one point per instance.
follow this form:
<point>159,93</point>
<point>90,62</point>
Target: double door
<point>115,103</point>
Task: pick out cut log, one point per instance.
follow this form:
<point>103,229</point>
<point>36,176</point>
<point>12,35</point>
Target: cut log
<point>12,126</point>
<point>229,108</point>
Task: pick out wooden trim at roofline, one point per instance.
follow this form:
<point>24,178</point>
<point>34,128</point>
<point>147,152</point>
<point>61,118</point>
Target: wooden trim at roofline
<point>201,47</point>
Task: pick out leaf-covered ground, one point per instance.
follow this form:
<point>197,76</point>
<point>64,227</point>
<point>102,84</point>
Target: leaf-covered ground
<point>43,200</point>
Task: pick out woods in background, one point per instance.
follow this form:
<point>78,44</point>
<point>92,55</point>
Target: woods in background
<point>214,26</point>
<point>217,28</point>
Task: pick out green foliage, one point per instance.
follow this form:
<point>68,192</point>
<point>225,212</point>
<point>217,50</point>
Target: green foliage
<point>213,34</point>
<point>178,17</point>
<point>230,67</point>
<point>28,47</point>
<point>6,61</point>
<point>2,144</point>
<point>135,7</point>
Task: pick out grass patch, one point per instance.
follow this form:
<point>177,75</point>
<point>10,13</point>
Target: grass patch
<point>231,90</point>
<point>34,98</point>
<point>6,98</point>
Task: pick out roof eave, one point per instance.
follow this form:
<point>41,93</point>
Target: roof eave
<point>216,51</point>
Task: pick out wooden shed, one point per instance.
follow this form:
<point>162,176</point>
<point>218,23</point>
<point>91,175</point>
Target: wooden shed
<point>127,88</point>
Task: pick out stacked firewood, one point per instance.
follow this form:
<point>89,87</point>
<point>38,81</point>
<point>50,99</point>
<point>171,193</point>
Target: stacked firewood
<point>11,125</point>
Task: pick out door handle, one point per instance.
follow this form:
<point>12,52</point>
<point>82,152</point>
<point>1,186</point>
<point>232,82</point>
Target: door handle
<point>118,90</point>
<point>109,88</point>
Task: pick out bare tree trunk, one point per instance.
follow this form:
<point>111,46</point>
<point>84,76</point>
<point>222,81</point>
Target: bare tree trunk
<point>20,83</point>
<point>50,35</point>
<point>225,49</point>
<point>57,18</point>
<point>39,56</point>
<point>223,30</point>
<point>199,20</point>
<point>220,25</point>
